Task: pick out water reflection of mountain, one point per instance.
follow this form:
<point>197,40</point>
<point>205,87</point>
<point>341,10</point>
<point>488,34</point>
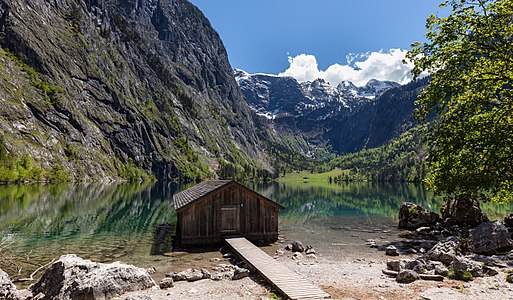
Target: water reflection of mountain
<point>64,211</point>
<point>353,199</point>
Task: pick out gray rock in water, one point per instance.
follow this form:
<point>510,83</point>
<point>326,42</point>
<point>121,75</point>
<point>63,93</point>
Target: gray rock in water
<point>491,237</point>
<point>166,283</point>
<point>443,251</point>
<point>413,216</point>
<point>391,251</point>
<point>72,277</point>
<point>407,276</point>
<point>463,211</point>
<point>240,273</point>
<point>8,290</point>
<point>297,246</point>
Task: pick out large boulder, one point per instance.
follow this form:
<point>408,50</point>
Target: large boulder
<point>7,288</point>
<point>462,211</point>
<point>413,216</point>
<point>444,251</point>
<point>72,277</point>
<point>490,238</point>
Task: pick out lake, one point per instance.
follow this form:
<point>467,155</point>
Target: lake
<point>131,222</point>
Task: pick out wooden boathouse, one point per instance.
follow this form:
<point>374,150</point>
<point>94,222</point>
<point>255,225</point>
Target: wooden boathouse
<point>212,210</point>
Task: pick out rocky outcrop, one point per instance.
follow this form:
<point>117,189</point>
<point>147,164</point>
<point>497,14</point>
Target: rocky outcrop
<point>72,277</point>
<point>114,83</point>
<point>491,238</point>
<point>413,216</point>
<point>462,211</point>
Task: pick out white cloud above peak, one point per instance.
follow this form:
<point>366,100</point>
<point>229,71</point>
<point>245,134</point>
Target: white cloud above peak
<point>361,67</point>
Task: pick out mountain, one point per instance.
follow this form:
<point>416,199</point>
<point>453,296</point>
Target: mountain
<point>106,88</point>
<point>345,118</point>
<point>274,96</point>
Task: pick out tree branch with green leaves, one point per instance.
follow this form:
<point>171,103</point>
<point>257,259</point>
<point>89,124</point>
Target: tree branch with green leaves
<point>469,55</point>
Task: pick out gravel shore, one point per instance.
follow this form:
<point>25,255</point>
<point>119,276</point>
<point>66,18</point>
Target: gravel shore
<point>353,276</point>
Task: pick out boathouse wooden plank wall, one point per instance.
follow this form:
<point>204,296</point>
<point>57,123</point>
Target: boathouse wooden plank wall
<point>215,209</point>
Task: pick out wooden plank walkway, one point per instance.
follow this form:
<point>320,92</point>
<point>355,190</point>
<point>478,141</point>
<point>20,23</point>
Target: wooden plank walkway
<point>289,283</point>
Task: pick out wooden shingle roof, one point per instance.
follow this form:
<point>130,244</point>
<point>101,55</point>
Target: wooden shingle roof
<point>201,189</point>
<point>191,194</point>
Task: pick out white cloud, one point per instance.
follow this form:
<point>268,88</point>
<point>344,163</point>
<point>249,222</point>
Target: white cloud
<point>361,68</point>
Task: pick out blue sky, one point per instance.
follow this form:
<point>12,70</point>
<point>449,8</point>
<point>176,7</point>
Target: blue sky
<point>260,36</point>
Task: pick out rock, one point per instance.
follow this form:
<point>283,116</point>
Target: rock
<point>310,251</point>
<point>228,255</point>
<point>297,246</point>
<point>218,276</point>
<point>491,237</point>
<point>417,265</point>
<point>166,283</point>
<point>423,230</point>
<point>215,259</point>
<point>192,275</point>
<point>288,247</point>
<point>466,269</point>
<point>297,256</point>
<point>311,256</point>
<point>413,216</point>
<point>394,265</point>
<point>189,275</point>
<point>8,290</point>
<point>279,252</point>
<point>206,274</point>
<point>437,267</point>
<point>508,221</point>
<point>407,276</point>
<point>462,211</point>
<point>24,294</point>
<point>151,270</point>
<point>240,273</point>
<point>391,251</point>
<point>427,245</point>
<point>443,251</point>
<point>72,277</point>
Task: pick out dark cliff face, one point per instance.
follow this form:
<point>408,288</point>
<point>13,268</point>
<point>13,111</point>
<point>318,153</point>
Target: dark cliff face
<point>117,81</point>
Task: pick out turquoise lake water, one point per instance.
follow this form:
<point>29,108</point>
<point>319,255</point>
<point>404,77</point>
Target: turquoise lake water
<point>130,222</point>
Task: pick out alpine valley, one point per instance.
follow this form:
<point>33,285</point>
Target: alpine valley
<point>110,89</point>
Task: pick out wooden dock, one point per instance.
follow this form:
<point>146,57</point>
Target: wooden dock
<point>289,283</point>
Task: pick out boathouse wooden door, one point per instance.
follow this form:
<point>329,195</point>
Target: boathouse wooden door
<point>230,219</point>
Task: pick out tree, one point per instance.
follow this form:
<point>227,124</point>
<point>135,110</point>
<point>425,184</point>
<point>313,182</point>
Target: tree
<point>469,55</point>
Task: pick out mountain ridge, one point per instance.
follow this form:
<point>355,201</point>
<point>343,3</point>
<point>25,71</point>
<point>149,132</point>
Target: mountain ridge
<point>345,118</point>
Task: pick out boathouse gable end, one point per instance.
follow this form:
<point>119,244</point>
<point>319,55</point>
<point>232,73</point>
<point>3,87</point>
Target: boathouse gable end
<point>211,210</point>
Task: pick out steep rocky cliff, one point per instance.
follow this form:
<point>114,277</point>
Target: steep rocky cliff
<point>96,85</point>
